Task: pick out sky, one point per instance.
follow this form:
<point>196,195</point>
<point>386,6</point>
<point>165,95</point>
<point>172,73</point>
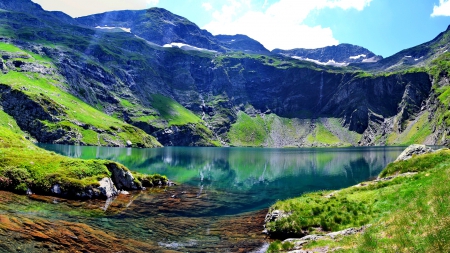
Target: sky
<point>383,26</point>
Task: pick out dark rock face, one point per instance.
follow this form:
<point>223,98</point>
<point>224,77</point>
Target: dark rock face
<point>115,66</point>
<point>342,53</point>
<point>373,99</point>
<point>30,114</point>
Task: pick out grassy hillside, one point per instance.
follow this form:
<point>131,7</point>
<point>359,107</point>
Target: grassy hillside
<point>408,213</point>
<point>274,131</point>
<point>416,131</point>
<point>40,83</point>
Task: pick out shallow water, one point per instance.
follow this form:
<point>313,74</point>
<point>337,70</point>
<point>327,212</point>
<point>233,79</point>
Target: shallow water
<point>218,205</point>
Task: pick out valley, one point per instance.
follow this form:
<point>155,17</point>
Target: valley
<point>139,131</point>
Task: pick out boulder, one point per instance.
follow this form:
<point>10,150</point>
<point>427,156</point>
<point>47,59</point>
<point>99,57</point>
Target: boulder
<point>107,188</point>
<point>414,149</point>
<point>122,177</point>
<point>129,143</point>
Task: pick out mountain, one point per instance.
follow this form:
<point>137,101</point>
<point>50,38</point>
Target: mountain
<point>155,25</point>
<point>418,56</point>
<point>241,42</point>
<point>67,81</point>
<point>340,55</point>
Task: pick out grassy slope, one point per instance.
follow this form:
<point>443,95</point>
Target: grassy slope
<point>23,165</point>
<point>264,131</point>
<point>408,213</point>
<point>169,112</point>
<point>416,132</point>
<point>174,113</point>
<point>49,88</point>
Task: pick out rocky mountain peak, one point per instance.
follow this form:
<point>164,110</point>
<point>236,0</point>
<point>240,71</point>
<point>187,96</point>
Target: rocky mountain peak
<point>241,42</point>
<point>339,55</point>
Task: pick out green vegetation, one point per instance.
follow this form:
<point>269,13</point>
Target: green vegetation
<point>9,48</point>
<point>271,130</point>
<point>171,111</point>
<point>323,135</point>
<point>407,213</point>
<point>248,131</point>
<point>9,123</point>
<point>23,166</point>
<point>278,246</point>
<point>416,132</point>
<point>91,126</point>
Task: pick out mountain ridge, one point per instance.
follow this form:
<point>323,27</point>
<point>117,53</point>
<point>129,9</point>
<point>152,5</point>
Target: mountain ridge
<point>202,98</point>
<point>339,55</point>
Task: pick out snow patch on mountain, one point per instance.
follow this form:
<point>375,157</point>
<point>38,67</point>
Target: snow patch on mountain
<point>188,47</point>
<point>328,63</point>
<point>128,30</point>
<point>358,56</point>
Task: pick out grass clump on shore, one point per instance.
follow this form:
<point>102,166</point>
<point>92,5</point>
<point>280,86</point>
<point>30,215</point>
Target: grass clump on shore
<point>408,213</point>
<point>24,166</point>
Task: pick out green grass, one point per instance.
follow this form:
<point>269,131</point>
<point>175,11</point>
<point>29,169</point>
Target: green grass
<point>415,132</point>
<point>408,213</point>
<point>171,111</point>
<point>9,48</point>
<point>23,166</point>
<point>125,103</point>
<point>322,135</point>
<point>248,131</point>
<point>46,90</point>
<point>9,123</point>
<point>50,94</point>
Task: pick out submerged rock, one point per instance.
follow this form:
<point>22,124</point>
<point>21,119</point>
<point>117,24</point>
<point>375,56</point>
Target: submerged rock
<point>414,149</point>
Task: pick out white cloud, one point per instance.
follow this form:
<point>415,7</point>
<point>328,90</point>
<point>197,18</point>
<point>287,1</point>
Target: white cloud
<point>281,24</point>
<point>86,7</point>
<point>207,6</point>
<point>443,9</point>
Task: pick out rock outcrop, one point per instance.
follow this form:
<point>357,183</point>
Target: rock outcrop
<point>107,188</point>
<point>122,177</point>
<point>413,150</point>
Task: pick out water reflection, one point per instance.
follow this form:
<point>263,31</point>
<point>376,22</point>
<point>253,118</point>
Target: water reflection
<point>259,176</point>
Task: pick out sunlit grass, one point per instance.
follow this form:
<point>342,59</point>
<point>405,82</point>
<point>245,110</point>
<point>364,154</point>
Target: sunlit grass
<point>407,213</point>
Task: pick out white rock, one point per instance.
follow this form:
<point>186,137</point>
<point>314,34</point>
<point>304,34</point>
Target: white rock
<point>107,187</point>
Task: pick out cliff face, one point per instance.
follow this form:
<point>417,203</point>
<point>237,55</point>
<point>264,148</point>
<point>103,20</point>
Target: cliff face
<point>203,98</point>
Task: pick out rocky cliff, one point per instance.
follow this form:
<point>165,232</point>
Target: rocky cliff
<point>228,97</point>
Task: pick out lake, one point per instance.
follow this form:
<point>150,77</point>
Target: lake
<point>220,200</point>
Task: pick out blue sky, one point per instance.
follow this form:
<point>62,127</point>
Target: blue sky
<point>383,26</point>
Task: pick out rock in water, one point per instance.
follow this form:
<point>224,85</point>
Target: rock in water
<point>414,149</point>
<point>107,187</point>
<point>129,143</point>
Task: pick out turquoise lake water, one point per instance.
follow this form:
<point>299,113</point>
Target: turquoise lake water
<point>216,185</point>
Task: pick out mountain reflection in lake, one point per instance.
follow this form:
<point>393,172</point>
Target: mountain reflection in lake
<point>249,178</point>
